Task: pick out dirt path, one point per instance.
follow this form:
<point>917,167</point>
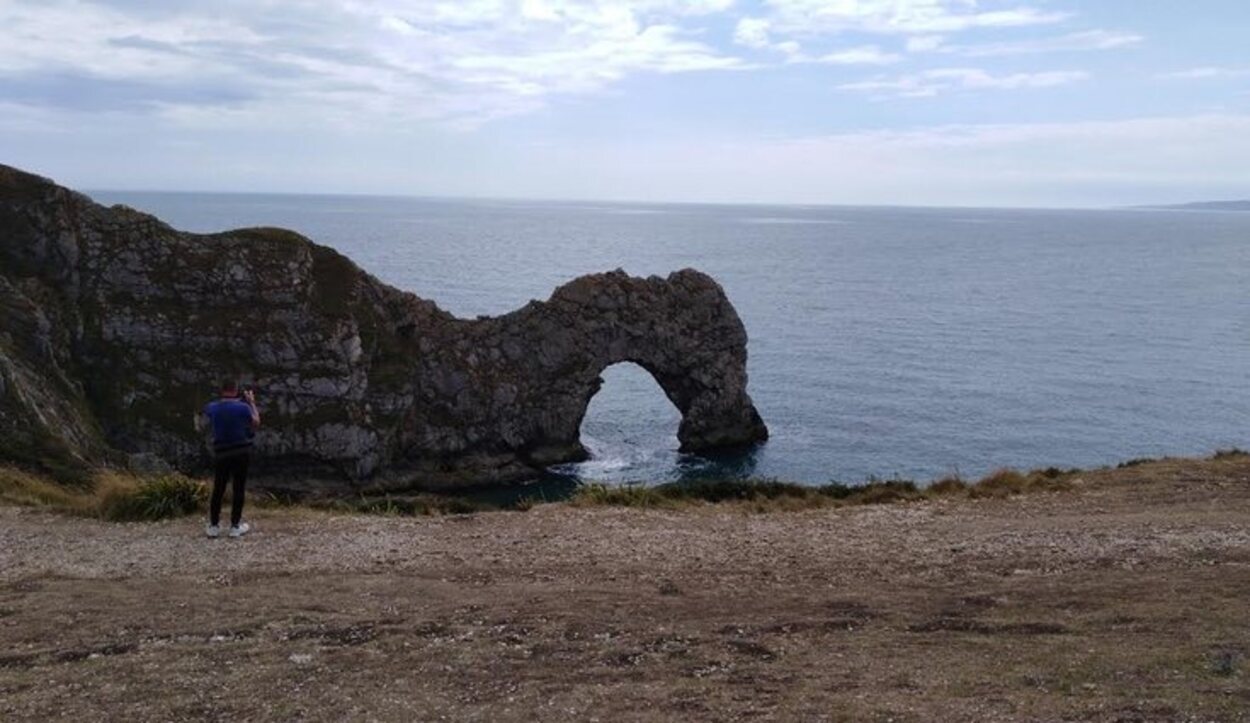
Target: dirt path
<point>1127,599</point>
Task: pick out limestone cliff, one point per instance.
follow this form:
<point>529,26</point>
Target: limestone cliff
<point>114,328</point>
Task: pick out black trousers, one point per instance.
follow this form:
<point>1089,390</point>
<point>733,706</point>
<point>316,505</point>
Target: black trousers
<point>230,467</point>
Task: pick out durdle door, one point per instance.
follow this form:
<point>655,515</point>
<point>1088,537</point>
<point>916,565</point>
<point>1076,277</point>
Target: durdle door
<point>114,328</point>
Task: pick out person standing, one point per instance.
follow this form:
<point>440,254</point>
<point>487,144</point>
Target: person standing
<point>234,421</point>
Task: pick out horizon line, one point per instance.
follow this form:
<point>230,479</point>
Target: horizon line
<point>642,202</point>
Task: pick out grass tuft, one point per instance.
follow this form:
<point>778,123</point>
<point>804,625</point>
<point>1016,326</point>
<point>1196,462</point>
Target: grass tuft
<point>878,493</point>
<point>771,495</point>
<point>109,495</point>
<point>948,486</point>
<point>1000,483</point>
<point>1226,663</point>
<point>417,505</point>
<point>127,499</point>
<point>1006,482</point>
<point>601,495</point>
<point>760,495</point>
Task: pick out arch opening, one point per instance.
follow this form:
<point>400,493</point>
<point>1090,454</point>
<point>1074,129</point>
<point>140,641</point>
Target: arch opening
<point>629,430</point>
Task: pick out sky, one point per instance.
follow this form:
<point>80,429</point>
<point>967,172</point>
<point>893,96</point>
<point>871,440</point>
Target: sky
<point>911,102</point>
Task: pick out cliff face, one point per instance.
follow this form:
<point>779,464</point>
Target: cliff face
<point>114,329</point>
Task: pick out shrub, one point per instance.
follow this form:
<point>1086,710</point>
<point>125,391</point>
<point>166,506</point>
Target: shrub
<point>876,493</point>
<point>462,506</point>
<point>158,498</point>
<point>405,505</point>
<point>730,490</point>
<point>385,506</point>
<point>761,494</point>
<point>1000,483</point>
<point>948,486</point>
<point>1233,453</point>
<point>622,496</point>
<point>1225,662</point>
<point>837,490</point>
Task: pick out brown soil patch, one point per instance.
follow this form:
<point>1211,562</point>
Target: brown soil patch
<point>1123,599</point>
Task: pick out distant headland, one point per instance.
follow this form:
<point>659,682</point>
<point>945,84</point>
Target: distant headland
<point>1243,205</point>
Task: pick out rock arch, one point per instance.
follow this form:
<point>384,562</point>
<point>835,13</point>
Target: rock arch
<point>116,326</point>
<point>681,329</point>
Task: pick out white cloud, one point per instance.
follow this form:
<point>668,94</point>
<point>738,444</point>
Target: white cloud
<point>1079,41</point>
<point>924,43</point>
<point>752,32</point>
<point>912,17</point>
<point>1135,160</point>
<point>862,55</point>
<point>930,83</point>
<point>924,26</point>
<point>1206,73</point>
<point>459,62</point>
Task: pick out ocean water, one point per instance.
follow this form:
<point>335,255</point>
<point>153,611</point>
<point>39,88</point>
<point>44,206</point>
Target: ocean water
<point>884,342</point>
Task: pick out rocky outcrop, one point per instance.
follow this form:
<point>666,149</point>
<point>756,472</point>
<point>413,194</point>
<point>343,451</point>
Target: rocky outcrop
<point>114,329</point>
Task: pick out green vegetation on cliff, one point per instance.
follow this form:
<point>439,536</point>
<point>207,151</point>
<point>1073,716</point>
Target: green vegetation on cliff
<point>112,495</point>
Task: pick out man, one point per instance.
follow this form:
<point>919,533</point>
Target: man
<point>234,422</point>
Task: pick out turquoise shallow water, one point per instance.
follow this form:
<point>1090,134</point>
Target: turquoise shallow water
<point>884,341</point>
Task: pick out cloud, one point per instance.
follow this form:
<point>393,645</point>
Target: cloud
<point>463,63</point>
<point>924,43</point>
<point>76,92</point>
<point>1118,162</point>
<point>753,33</point>
<point>932,82</point>
<point>924,25</point>
<point>862,55</point>
<point>908,17</point>
<point>460,62</point>
<point>1206,73</point>
<point>1080,41</point>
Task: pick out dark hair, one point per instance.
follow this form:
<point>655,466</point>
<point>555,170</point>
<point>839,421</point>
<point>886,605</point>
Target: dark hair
<point>229,385</point>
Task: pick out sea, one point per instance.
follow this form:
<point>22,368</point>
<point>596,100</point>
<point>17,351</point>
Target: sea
<point>885,343</point>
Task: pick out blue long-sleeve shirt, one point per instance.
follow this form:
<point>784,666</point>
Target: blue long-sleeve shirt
<point>231,419</point>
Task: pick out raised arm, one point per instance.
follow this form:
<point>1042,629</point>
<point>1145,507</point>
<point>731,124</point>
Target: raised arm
<point>250,397</point>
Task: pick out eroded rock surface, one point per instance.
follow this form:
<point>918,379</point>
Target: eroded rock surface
<point>114,329</point>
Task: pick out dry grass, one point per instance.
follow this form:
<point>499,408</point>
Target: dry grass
<point>114,495</point>
<point>415,505</point>
<point>109,495</point>
<point>767,496</point>
<point>22,488</point>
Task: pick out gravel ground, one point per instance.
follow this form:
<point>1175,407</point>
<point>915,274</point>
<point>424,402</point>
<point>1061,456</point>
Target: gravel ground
<point>1125,599</point>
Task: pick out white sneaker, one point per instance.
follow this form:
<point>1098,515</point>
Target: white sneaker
<point>212,531</point>
<point>240,529</point>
